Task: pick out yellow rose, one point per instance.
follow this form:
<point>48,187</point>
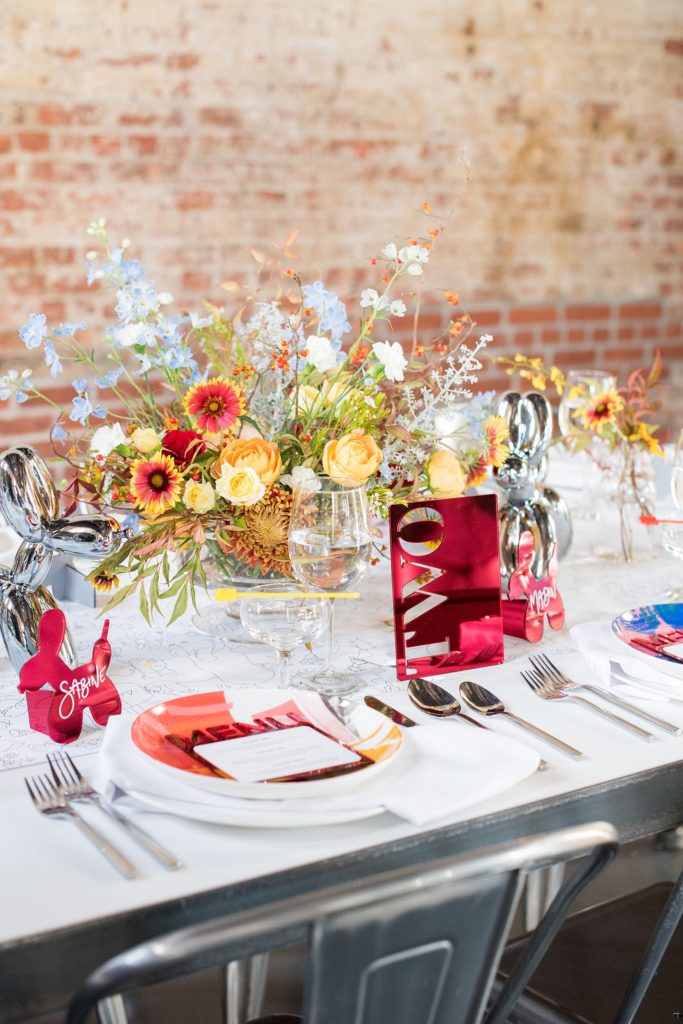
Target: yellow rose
<point>351,459</point>
<point>240,486</point>
<point>445,474</point>
<point>198,497</point>
<point>307,399</point>
<point>145,440</point>
<point>333,390</point>
<point>261,456</point>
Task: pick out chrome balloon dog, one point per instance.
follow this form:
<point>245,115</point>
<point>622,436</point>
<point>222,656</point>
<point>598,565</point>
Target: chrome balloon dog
<point>528,505</point>
<point>30,505</point>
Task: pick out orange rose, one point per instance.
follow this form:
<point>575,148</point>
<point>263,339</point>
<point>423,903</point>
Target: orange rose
<point>351,459</point>
<point>251,453</point>
<point>445,474</point>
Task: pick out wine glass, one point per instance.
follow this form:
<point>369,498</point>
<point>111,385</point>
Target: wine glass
<point>329,548</point>
<point>284,622</point>
<point>672,533</point>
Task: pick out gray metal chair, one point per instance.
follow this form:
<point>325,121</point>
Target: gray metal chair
<point>419,945</point>
<point>615,963</point>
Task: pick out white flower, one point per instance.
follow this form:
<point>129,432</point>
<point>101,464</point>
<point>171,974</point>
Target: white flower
<point>397,308</point>
<point>411,256</point>
<point>321,355</point>
<point>302,477</point>
<point>392,359</point>
<point>164,298</point>
<point>389,251</point>
<point>197,321</point>
<point>105,439</point>
<point>240,485</point>
<point>368,297</point>
<point>128,335</point>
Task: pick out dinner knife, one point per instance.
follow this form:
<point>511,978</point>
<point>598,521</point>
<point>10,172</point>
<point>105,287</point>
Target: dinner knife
<point>391,713</point>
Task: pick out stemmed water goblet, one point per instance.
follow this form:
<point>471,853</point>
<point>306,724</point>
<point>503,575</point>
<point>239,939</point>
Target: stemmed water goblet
<point>284,622</point>
<point>581,387</point>
<point>672,533</point>
<point>329,548</point>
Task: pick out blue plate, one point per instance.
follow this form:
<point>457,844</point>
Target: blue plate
<point>655,630</point>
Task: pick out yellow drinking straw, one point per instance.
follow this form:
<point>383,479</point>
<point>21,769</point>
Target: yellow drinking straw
<point>232,594</point>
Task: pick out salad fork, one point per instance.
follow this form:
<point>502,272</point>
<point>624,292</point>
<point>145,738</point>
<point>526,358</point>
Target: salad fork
<point>546,669</point>
<point>48,799</point>
<point>547,690</point>
<point>74,786</point>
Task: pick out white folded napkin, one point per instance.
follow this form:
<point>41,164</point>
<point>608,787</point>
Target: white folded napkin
<point>450,766</point>
<point>640,676</point>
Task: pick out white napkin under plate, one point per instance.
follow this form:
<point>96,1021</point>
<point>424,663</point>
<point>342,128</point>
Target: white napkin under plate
<point>629,674</point>
<point>452,766</point>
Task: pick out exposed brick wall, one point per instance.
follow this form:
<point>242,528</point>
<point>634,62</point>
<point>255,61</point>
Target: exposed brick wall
<point>552,130</point>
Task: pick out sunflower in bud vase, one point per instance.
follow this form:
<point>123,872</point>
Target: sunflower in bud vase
<point>195,429</point>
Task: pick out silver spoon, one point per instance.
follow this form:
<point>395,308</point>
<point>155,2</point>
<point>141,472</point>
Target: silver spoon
<point>434,700</point>
<point>478,698</point>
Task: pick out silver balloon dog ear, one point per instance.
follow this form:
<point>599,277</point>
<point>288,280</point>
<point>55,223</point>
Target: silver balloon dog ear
<point>528,504</point>
<point>30,505</point>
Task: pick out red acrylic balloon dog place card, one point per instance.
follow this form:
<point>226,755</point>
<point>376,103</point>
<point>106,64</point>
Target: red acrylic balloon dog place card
<point>57,695</point>
<point>530,599</point>
<point>445,569</point>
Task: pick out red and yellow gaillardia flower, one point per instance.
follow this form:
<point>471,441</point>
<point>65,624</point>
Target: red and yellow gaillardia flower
<point>495,432</point>
<point>156,484</point>
<point>602,409</point>
<point>215,404</point>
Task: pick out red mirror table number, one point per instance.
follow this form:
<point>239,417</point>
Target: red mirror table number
<point>446,585</point>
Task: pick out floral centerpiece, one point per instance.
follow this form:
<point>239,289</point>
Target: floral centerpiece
<point>613,426</point>
<point>194,429</point>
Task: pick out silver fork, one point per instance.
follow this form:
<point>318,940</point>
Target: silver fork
<point>545,667</point>
<point>548,690</point>
<point>74,786</point>
<point>48,799</point>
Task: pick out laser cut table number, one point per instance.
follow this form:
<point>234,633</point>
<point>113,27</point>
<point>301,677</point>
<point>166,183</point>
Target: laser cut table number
<point>445,570</point>
<point>56,694</point>
<point>531,599</point>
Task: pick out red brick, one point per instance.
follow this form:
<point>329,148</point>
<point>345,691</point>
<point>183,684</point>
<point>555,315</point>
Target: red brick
<point>640,310</point>
<point>593,312</point>
<point>630,357</point>
<point>576,334</point>
<point>105,145</point>
<point>195,200</point>
<point>550,336</point>
<point>673,330</point>
<point>535,314</point>
<point>144,145</point>
<point>55,114</point>
<point>21,257</point>
<point>485,317</point>
<point>10,199</point>
<point>674,46</point>
<point>196,280</point>
<point>576,358</point>
<point>524,338</point>
<point>138,119</point>
<point>650,331</point>
<point>222,117</point>
<point>5,143</point>
<point>601,334</point>
<point>181,61</point>
<point>626,333</point>
<point>34,141</point>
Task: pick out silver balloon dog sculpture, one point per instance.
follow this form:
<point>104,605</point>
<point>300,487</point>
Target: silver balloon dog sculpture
<point>30,505</point>
<point>528,504</point>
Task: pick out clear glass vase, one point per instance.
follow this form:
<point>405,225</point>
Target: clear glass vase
<point>224,568</point>
<point>630,491</point>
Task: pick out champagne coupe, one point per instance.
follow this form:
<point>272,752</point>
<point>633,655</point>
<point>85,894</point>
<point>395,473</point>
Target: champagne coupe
<point>284,622</point>
<point>329,548</point>
<point>672,534</point>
